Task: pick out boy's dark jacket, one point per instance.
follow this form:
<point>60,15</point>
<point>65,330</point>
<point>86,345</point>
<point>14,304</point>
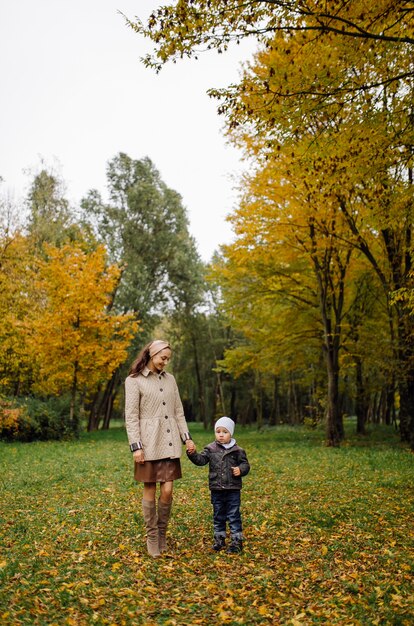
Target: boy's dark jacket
<point>221,460</point>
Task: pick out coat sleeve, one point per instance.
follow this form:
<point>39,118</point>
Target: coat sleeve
<point>132,411</point>
<point>244,464</point>
<point>199,458</point>
<point>179,414</point>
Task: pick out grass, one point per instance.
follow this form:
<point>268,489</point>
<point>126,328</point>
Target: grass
<point>329,536</point>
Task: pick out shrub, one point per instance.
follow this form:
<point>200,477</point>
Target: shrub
<point>9,419</point>
<point>32,419</point>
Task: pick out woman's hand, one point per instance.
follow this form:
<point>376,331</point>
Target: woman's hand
<point>139,457</point>
<point>189,444</point>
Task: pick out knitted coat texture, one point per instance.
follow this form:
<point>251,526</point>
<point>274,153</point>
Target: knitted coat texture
<point>154,414</point>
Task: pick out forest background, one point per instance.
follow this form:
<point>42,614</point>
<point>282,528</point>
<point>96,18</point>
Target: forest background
<point>307,316</point>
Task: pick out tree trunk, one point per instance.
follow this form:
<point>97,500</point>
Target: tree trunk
<point>398,247</point>
<point>72,409</point>
<point>103,402</point>
<point>108,409</point>
<point>110,395</point>
<point>94,418</point>
<point>334,424</point>
<point>275,412</point>
<point>331,301</point>
<point>390,406</point>
<point>406,381</point>
<point>200,390</point>
<point>220,393</point>
<point>258,400</point>
<point>406,391</point>
<point>233,403</point>
<point>294,412</point>
<point>360,403</point>
<point>374,409</point>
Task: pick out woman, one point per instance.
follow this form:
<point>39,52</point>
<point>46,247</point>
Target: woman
<point>156,429</point>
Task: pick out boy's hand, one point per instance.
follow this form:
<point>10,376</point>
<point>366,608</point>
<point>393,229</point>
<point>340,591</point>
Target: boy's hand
<point>189,444</point>
<point>236,471</point>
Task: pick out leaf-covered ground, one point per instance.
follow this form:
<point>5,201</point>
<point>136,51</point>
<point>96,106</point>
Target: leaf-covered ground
<point>329,536</point>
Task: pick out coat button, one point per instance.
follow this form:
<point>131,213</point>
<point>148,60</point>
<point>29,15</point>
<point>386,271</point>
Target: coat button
<point>166,417</point>
<point>163,402</point>
<point>168,430</point>
<point>160,389</point>
<point>170,444</point>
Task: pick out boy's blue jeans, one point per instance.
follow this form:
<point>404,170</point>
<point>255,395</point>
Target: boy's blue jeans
<point>226,507</point>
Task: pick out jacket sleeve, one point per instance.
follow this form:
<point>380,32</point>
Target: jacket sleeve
<point>132,412</point>
<point>199,458</point>
<point>179,414</point>
<point>244,464</point>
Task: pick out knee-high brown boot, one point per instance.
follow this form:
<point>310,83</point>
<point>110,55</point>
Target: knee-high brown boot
<point>164,511</point>
<point>150,518</point>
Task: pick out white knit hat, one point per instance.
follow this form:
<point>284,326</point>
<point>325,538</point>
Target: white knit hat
<point>225,422</point>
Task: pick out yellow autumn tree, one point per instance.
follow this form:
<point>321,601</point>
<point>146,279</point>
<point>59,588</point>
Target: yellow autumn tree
<point>183,29</point>
<point>16,297</point>
<point>269,298</point>
<point>331,89</point>
<point>293,253</point>
<point>76,340</point>
<point>335,162</point>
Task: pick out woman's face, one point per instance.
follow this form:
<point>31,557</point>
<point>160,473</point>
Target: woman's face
<point>160,360</point>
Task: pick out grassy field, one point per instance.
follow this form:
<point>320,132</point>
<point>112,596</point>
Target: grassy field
<point>329,536</point>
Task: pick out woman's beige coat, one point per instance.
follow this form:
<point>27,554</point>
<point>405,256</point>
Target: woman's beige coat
<point>154,415</point>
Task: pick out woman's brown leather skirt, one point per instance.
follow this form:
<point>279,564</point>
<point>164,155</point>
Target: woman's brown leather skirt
<point>161,471</point>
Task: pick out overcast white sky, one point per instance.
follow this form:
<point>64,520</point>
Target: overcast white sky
<point>74,94</point>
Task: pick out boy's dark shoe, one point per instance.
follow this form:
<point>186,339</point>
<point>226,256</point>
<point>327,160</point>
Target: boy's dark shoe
<point>219,543</point>
<point>235,546</point>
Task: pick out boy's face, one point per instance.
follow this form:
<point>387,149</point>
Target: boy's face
<point>222,435</point>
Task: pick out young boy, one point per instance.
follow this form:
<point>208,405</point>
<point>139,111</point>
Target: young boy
<point>227,464</point>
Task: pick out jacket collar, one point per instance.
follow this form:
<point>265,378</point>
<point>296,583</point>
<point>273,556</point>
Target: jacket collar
<point>229,445</point>
<point>146,372</point>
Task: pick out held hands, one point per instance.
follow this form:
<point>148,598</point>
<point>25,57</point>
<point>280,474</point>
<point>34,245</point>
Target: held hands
<point>139,454</point>
<point>189,444</point>
<point>139,457</point>
<point>236,471</point>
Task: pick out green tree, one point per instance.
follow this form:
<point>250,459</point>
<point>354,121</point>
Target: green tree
<point>144,226</point>
<point>49,217</point>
